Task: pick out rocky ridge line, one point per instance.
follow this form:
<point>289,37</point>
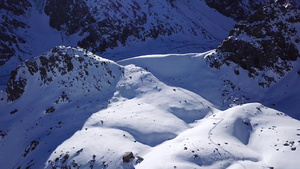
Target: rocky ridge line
<point>67,67</point>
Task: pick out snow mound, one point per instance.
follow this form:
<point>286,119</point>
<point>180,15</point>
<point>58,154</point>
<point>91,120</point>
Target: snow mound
<point>214,142</point>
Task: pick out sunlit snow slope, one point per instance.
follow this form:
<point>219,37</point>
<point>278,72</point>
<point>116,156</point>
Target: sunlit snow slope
<point>227,85</point>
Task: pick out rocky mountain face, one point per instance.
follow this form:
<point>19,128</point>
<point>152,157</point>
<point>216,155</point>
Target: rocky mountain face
<point>108,24</point>
<point>265,44</point>
<point>13,28</point>
<point>104,25</point>
<point>242,9</point>
<point>104,29</point>
<point>237,9</point>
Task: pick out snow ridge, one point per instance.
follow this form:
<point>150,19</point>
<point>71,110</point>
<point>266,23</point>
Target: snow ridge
<point>58,66</point>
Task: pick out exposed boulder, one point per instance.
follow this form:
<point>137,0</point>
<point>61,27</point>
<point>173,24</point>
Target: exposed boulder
<point>127,157</point>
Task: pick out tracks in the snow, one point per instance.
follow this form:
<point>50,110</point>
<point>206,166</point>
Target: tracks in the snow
<point>218,145</point>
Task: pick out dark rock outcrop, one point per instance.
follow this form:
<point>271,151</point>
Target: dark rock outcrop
<point>237,9</point>
<point>103,32</point>
<point>127,157</point>
<point>64,13</point>
<point>266,41</point>
<point>16,86</point>
<point>12,15</point>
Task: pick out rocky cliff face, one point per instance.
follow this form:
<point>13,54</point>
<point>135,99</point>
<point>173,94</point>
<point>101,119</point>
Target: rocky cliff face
<point>264,44</point>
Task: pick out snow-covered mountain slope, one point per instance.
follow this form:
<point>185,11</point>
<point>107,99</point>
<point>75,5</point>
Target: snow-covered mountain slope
<point>233,107</point>
<point>44,94</point>
<point>73,109</point>
<point>224,87</point>
<point>109,24</point>
<point>193,72</point>
<point>116,29</point>
<point>266,45</point>
<point>51,97</point>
